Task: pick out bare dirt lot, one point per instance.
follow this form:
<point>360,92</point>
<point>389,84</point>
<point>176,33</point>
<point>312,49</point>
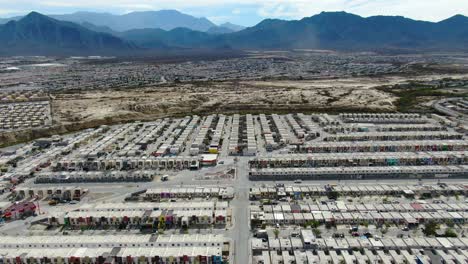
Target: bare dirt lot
<point>348,94</point>
<point>147,103</point>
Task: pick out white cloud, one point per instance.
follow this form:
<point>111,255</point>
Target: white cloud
<point>219,19</point>
<point>275,10</point>
<point>9,11</point>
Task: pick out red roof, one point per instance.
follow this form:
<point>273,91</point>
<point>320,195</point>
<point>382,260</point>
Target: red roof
<point>21,207</point>
<point>417,206</point>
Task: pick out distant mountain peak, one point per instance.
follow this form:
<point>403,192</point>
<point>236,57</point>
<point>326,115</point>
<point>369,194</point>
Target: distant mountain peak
<point>337,13</point>
<point>456,18</point>
<point>232,26</point>
<point>36,15</point>
<point>36,18</point>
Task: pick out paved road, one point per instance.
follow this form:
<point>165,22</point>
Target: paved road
<point>241,213</point>
<point>240,232</point>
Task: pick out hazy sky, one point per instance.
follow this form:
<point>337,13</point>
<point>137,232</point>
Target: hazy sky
<point>246,12</point>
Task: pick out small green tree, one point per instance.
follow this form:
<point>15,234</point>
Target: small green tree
<point>161,225</point>
<point>365,224</point>
<point>450,233</point>
<point>313,223</point>
<point>276,233</point>
<point>316,232</point>
<point>430,229</point>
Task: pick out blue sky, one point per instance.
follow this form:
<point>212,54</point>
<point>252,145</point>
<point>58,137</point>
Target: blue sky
<point>246,12</point>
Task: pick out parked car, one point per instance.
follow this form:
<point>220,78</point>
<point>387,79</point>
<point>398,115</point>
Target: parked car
<point>338,235</point>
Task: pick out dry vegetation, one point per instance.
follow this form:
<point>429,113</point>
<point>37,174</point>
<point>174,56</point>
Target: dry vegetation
<point>347,94</point>
<point>199,98</point>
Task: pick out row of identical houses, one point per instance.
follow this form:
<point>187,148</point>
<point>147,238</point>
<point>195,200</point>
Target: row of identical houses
<point>149,215</point>
<point>114,249</point>
<point>409,218</point>
<point>299,191</point>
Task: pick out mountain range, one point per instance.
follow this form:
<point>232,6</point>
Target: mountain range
<point>38,34</point>
<point>344,31</point>
<point>162,19</point>
<point>327,30</point>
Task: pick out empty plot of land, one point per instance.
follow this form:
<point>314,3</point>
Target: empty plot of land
<point>217,97</point>
<point>230,96</point>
